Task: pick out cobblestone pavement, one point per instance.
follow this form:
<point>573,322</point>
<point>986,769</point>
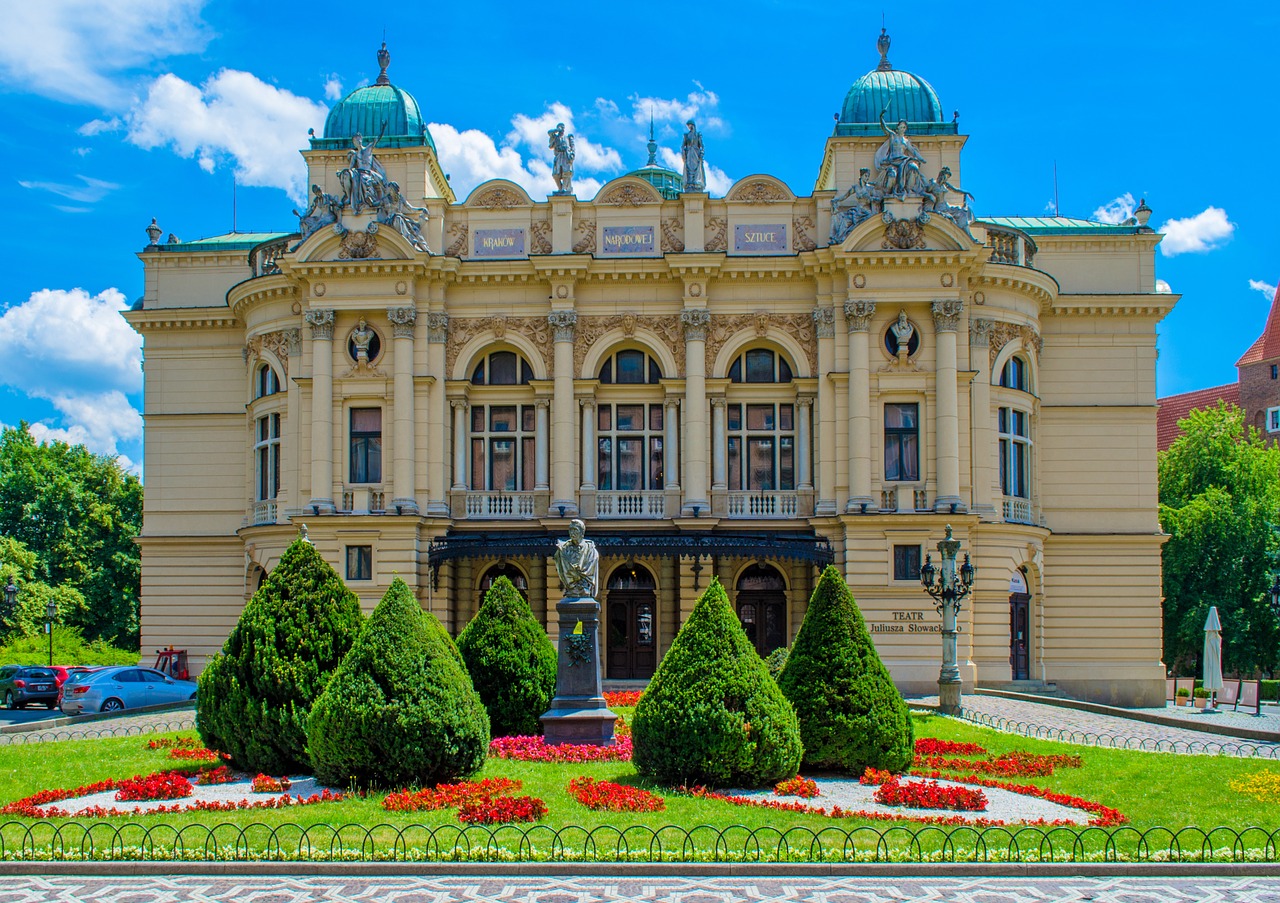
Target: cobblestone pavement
<point>710,889</point>
<point>1269,720</point>
<point>122,726</point>
<point>1072,725</point>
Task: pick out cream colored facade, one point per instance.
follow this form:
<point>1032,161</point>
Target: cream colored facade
<point>1048,323</point>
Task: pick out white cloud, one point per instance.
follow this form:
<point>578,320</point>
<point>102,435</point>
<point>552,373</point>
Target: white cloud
<point>1163,287</point>
<point>718,181</point>
<point>98,126</point>
<point>532,131</point>
<point>1205,231</point>
<point>89,192</point>
<point>233,114</point>
<point>1265,287</point>
<point>333,88</point>
<point>699,105</point>
<point>84,51</point>
<point>1116,210</point>
<point>99,421</point>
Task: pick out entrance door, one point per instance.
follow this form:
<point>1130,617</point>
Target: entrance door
<point>762,607</point>
<point>632,624</point>
<point>1019,630</point>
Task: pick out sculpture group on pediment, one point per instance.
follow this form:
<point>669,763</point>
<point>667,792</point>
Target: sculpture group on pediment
<point>863,199</point>
<point>324,210</point>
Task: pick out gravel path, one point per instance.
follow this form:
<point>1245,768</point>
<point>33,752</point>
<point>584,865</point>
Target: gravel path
<point>233,792</point>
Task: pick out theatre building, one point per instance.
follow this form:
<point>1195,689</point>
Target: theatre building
<point>747,387</point>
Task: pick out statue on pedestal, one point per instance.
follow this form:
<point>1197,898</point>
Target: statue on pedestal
<point>562,158</point>
<point>364,180</point>
<point>578,562</point>
<point>695,166</point>
<point>898,161</point>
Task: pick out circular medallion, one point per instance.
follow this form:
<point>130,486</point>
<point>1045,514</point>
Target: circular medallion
<point>695,290</point>
<point>296,307</point>
<point>979,298</point>
<point>562,291</point>
<point>319,289</point>
<point>948,280</point>
<point>859,280</point>
<point>401,287</point>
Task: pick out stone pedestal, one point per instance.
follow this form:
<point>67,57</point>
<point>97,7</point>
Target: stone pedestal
<point>578,713</point>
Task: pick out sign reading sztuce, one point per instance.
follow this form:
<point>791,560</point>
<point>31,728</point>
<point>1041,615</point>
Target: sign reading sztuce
<point>498,243</point>
<point>628,240</point>
<point>760,238</point>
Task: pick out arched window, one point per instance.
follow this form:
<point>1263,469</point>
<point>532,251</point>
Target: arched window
<point>1014,374</point>
<point>511,572</point>
<point>630,367</point>
<point>502,368</point>
<point>760,365</point>
<point>267,383</point>
<point>762,607</point>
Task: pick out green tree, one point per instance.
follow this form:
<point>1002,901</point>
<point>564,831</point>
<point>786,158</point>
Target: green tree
<point>79,513</point>
<point>255,696</point>
<point>400,710</point>
<point>712,714</point>
<point>27,618</point>
<point>511,660</point>
<point>1219,503</point>
<point>851,715</point>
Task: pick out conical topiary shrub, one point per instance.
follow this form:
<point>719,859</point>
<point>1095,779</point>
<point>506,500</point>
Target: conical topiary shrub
<point>851,715</point>
<point>400,710</point>
<point>511,660</point>
<point>712,714</point>
<point>255,696</point>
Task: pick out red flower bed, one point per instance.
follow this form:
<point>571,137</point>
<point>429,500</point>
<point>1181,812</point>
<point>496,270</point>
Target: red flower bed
<point>614,797</point>
<point>1008,765</point>
<point>623,699</point>
<point>536,749</point>
<point>265,783</point>
<point>447,796</point>
<point>165,785</point>
<point>1106,816</point>
<point>929,795</point>
<point>874,776</point>
<point>173,743</point>
<point>929,746</point>
<point>199,754</point>
<point>502,809</point>
<point>797,786</point>
<point>220,775</point>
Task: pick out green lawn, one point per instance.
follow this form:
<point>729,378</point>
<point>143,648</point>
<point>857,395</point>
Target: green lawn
<point>1156,791</point>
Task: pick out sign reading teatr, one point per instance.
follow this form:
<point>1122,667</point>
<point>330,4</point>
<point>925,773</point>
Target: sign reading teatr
<point>905,622</point>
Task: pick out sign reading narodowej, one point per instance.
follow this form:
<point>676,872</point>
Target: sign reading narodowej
<point>627,240</point>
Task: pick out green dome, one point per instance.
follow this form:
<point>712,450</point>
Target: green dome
<point>904,94</point>
<point>373,109</point>
<point>668,182</point>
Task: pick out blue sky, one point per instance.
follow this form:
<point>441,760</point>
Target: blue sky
<point>116,111</point>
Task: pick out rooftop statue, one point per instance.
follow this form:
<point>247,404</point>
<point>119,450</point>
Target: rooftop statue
<point>364,180</point>
<point>402,216</point>
<point>935,200</point>
<point>578,562</point>
<point>898,161</point>
<point>562,163</point>
<point>695,167</point>
<point>323,211</point>
<point>863,199</point>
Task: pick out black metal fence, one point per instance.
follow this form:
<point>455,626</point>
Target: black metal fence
<point>103,841</point>
<point>97,731</point>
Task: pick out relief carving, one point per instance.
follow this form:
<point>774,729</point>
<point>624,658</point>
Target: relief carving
<point>590,329</point>
<point>802,234</point>
<point>717,232</point>
<point>586,243</point>
<point>1003,333</point>
<point>757,192</point>
<point>902,235</point>
<point>672,236</point>
<point>458,331</point>
<point>540,238</point>
<point>628,196</point>
<point>457,247</point>
<point>799,326</point>
<point>499,199</point>
<point>358,246</point>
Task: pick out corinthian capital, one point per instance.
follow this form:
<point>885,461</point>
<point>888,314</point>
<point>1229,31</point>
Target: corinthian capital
<point>946,315</point>
<point>437,327</point>
<point>824,322</point>
<point>695,321</point>
<point>563,322</point>
<point>403,320</point>
<point>858,314</point>
<point>980,331</point>
<point>320,319</point>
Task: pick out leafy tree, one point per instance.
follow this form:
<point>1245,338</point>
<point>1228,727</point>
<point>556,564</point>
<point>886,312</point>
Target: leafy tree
<point>78,513</point>
<point>27,618</point>
<point>255,696</point>
<point>851,715</point>
<point>400,710</point>
<point>1219,503</point>
<point>511,660</point>
<point>69,647</point>
<point>712,714</point>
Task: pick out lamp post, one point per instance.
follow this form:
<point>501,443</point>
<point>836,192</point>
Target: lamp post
<point>10,598</point>
<point>949,589</point>
<point>1274,593</point>
<point>50,612</point>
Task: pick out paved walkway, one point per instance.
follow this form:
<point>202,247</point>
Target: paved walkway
<point>625,889</point>
<point>1052,722</point>
<point>121,726</point>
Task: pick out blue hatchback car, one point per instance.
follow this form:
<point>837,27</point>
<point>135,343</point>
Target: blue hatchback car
<point>128,687</point>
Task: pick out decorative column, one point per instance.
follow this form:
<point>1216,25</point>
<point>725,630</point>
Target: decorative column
<point>946,320</point>
<point>984,448</point>
<point>321,322</point>
<point>824,323</point>
<point>695,321</point>
<point>588,443</point>
<point>403,322</point>
<point>437,413</point>
<point>541,444</point>
<point>858,314</point>
<point>459,444</point>
<point>670,450</point>
<point>562,415</point>
<point>719,455</point>
<point>804,478</point>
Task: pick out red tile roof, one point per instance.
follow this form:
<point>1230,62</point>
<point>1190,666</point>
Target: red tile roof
<point>1176,407</point>
<point>1268,345</point>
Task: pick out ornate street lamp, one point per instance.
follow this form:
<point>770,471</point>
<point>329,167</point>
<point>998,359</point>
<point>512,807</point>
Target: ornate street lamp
<point>1274,592</point>
<point>948,589</point>
<point>10,598</point>
<point>50,612</point>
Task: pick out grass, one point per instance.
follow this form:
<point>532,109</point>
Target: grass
<point>1155,790</point>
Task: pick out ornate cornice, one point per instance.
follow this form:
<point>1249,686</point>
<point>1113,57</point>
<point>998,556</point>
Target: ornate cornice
<point>320,319</point>
<point>946,315</point>
<point>858,314</point>
<point>403,320</point>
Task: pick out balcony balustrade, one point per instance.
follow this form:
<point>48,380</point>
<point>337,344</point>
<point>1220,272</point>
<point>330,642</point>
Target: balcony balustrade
<point>764,504</point>
<point>1010,246</point>
<point>363,501</point>
<point>500,505</point>
<point>631,504</point>
<point>1020,511</point>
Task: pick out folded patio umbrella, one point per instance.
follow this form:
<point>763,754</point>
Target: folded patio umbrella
<point>1213,651</point>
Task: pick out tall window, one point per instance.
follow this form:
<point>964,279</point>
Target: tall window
<point>1273,420</point>
<point>629,454</point>
<point>268,383</point>
<point>503,446</point>
<point>761,446</point>
<point>359,562</point>
<point>1014,375</point>
<point>630,368</point>
<point>267,455</point>
<point>901,442</point>
<point>760,365</point>
<point>1015,452</point>
<point>502,368</point>
<point>366,445</point>
<point>906,562</point>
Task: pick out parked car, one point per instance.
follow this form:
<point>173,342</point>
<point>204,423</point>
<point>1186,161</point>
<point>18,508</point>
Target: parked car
<point>22,685</point>
<point>128,687</point>
<point>62,672</point>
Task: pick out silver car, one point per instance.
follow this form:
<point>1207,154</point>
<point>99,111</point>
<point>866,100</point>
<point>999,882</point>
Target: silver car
<point>115,689</point>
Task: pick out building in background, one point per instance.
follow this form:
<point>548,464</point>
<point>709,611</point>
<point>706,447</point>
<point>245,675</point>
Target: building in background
<point>747,387</point>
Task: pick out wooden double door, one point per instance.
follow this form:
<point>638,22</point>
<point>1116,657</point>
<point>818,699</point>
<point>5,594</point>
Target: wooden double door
<point>631,624</point>
<point>1019,635</point>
